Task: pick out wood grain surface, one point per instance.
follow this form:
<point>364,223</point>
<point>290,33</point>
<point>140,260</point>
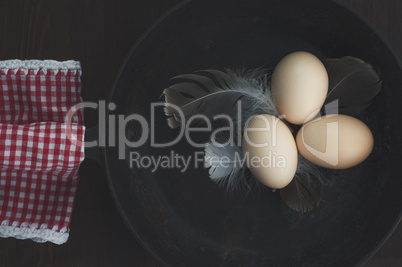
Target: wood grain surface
<point>99,33</point>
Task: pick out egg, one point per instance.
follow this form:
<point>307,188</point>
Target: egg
<point>270,151</point>
<point>335,141</point>
<point>299,86</point>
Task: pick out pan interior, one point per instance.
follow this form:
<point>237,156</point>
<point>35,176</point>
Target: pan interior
<point>184,218</point>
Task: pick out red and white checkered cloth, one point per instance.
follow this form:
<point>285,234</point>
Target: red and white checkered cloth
<point>39,152</point>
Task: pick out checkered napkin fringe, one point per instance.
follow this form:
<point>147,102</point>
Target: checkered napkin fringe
<point>39,153</point>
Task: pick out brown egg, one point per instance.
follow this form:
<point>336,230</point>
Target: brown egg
<point>270,151</point>
<point>335,141</point>
<point>299,87</point>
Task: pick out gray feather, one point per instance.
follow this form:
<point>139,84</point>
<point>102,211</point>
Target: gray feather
<point>305,190</point>
<point>228,169</point>
<point>212,92</point>
<point>223,161</point>
<point>188,90</point>
<point>353,83</point>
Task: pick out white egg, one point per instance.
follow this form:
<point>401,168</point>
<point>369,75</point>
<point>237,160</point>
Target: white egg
<point>270,151</point>
<point>299,87</point>
<point>335,141</point>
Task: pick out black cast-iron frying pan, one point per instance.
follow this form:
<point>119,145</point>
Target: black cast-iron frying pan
<point>183,218</point>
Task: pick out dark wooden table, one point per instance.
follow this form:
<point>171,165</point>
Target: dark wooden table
<point>99,33</point>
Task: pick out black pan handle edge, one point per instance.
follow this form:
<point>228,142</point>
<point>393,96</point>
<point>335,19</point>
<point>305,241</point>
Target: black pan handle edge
<point>93,152</point>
